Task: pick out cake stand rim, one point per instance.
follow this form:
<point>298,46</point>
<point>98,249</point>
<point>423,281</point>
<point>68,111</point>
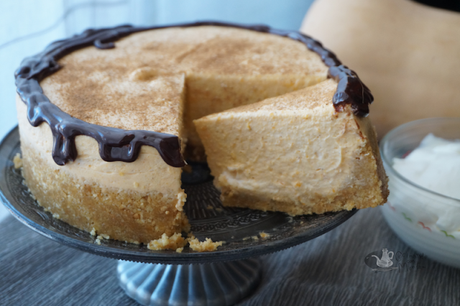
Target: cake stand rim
<point>146,257</point>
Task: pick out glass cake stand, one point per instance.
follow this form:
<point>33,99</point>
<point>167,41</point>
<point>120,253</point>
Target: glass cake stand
<point>151,277</point>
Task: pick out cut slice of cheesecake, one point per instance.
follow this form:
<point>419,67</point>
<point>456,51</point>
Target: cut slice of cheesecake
<point>294,153</point>
<point>238,67</point>
<point>134,202</point>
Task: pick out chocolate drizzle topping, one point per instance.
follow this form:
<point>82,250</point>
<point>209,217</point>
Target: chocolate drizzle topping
<point>124,145</point>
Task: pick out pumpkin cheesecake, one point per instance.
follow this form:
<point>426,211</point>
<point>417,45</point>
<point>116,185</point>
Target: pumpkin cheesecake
<point>106,117</point>
<point>294,153</point>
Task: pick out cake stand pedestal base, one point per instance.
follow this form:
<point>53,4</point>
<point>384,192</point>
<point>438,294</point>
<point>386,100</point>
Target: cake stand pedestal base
<point>221,283</point>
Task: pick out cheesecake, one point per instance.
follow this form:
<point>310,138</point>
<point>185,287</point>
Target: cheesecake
<point>294,153</point>
<point>106,118</point>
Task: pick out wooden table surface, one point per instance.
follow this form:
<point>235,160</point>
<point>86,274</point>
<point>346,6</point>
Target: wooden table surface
<point>329,270</point>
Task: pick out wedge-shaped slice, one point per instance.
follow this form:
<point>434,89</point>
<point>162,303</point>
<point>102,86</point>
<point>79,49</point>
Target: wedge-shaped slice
<point>134,202</point>
<point>294,153</point>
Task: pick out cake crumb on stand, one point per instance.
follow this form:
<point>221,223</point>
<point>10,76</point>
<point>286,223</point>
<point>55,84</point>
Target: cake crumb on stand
<point>264,235</point>
<point>174,242</point>
<point>177,242</point>
<point>100,237</point>
<point>17,160</point>
<point>204,246</point>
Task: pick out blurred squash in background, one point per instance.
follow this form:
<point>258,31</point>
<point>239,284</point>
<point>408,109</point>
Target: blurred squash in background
<point>406,52</point>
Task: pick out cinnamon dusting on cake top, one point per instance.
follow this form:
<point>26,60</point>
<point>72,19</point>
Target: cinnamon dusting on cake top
<point>117,87</point>
<point>124,145</point>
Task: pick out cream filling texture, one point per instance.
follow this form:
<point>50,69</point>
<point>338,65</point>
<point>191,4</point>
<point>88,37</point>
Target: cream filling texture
<point>315,152</point>
<point>149,173</point>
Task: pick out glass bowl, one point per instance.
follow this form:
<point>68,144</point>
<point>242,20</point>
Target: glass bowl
<point>427,221</point>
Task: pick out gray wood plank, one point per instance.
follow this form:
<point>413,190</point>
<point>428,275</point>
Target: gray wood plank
<point>328,270</point>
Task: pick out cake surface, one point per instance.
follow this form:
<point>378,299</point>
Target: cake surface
<point>141,97</point>
<point>223,67</point>
<point>294,153</point>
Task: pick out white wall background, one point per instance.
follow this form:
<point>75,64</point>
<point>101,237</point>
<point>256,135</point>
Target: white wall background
<point>27,26</point>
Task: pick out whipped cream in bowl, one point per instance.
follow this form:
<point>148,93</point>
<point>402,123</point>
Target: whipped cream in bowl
<point>422,161</point>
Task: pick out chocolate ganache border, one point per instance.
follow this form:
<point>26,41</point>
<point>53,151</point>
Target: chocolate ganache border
<point>124,145</point>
